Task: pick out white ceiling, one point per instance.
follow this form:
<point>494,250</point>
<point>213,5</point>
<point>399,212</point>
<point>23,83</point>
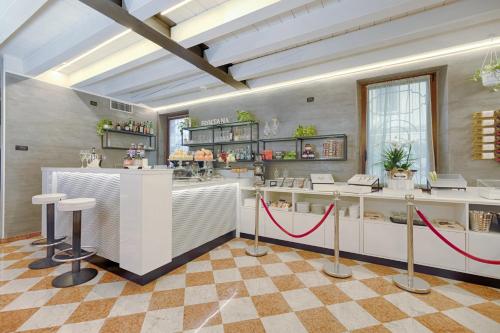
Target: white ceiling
<point>264,41</point>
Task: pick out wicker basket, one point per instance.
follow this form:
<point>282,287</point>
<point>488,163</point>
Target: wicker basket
<point>480,221</point>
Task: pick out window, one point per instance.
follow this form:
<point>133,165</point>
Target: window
<point>402,112</point>
<point>174,140</point>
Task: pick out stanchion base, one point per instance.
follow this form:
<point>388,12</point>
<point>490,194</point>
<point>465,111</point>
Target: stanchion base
<point>70,279</point>
<point>337,270</point>
<point>415,285</point>
<point>43,263</point>
<point>258,251</point>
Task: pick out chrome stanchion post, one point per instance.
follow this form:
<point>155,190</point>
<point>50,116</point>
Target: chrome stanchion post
<point>408,281</point>
<point>256,250</point>
<point>336,269</point>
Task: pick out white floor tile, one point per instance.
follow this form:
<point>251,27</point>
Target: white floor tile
<point>200,294</point>
<point>277,269</point>
<point>106,290</point>
<point>356,290</point>
<point>260,286</point>
<point>283,323</point>
<point>313,279</point>
<point>245,261</point>
<point>11,274</point>
<point>237,244</point>
<point>31,299</point>
<point>6,263</point>
<point>474,321</point>
<point>169,282</point>
<point>289,256</point>
<point>301,299</point>
<point>408,325</point>
<point>20,285</point>
<point>352,315</point>
<point>126,305</point>
<point>318,263</point>
<point>163,321</point>
<point>459,295</point>
<point>93,326</point>
<point>49,316</point>
<point>220,254</point>
<point>361,273</point>
<point>237,309</point>
<point>227,275</point>
<point>409,304</point>
<point>208,329</point>
<point>198,266</point>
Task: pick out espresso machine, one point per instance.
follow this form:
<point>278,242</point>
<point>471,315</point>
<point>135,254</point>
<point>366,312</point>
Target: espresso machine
<point>258,171</point>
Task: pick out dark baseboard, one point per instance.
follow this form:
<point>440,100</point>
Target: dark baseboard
<point>466,277</point>
<point>178,261</point>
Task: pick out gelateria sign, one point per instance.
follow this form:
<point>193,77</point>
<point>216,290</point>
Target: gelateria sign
<point>216,121</point>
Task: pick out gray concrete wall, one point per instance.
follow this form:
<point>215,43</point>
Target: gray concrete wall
<point>336,110</point>
<point>55,123</point>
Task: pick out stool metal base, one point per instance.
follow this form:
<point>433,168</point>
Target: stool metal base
<point>43,263</point>
<point>70,279</point>
<point>337,270</point>
<point>415,285</point>
<point>45,243</point>
<point>258,251</point>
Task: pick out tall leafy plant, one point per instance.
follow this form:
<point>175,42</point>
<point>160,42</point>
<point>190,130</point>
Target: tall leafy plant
<point>398,157</point>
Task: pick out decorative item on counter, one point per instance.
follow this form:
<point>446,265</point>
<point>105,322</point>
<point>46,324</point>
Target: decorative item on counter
<point>203,155</point>
<point>480,221</point>
<point>281,204</point>
<point>180,155</point>
<point>397,162</point>
<point>483,135</point>
<point>244,116</point>
<point>267,154</point>
<point>305,131</point>
<point>446,181</point>
<point>290,155</point>
<point>400,218</point>
<point>278,155</point>
<point>308,152</point>
<point>374,216</point>
<point>489,188</point>
<point>102,125</point>
<point>489,73</point>
<point>447,224</point>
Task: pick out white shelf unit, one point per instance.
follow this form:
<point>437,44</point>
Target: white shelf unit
<point>384,239</point>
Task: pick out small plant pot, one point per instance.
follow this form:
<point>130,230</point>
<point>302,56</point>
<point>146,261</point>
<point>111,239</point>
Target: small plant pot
<point>490,79</point>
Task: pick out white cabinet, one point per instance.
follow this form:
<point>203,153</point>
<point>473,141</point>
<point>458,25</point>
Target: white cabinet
<point>304,222</point>
<point>247,220</point>
<point>349,234</point>
<point>430,250</point>
<point>385,239</point>
<point>285,219</point>
<point>487,246</point>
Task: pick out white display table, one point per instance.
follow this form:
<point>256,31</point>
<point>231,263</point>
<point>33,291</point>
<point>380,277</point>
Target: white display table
<point>384,239</point>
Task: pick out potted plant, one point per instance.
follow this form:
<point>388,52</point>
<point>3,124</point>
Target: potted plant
<point>397,163</point>
<point>244,116</point>
<point>489,73</point>
<point>304,131</point>
<point>102,125</point>
<point>188,122</point>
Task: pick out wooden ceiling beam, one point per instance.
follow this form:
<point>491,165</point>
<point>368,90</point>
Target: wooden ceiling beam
<point>122,16</point>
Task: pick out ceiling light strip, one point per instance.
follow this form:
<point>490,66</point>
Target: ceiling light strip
<point>470,47</point>
<point>179,5</point>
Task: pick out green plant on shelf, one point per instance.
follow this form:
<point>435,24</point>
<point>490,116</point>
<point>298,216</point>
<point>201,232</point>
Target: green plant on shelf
<point>305,131</point>
<point>103,124</point>
<point>244,116</point>
<point>189,122</point>
<point>398,156</point>
<point>290,155</point>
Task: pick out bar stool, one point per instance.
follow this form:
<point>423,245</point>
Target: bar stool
<point>50,242</point>
<point>74,254</point>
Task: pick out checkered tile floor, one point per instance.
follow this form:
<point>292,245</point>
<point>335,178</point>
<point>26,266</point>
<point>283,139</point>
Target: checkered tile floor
<point>226,291</point>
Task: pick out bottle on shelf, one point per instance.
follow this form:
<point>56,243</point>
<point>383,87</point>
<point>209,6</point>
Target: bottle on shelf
<point>118,126</point>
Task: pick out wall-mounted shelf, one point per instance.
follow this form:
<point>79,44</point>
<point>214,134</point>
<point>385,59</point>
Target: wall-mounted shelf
<point>106,140</point>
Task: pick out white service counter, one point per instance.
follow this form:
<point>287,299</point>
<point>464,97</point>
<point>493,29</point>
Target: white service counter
<point>142,220</point>
<point>384,239</point>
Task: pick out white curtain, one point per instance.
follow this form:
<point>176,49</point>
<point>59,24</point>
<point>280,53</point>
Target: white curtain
<point>400,112</point>
<point>174,133</point>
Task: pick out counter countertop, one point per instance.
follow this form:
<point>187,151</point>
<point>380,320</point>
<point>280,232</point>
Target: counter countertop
<point>109,170</point>
<point>452,196</point>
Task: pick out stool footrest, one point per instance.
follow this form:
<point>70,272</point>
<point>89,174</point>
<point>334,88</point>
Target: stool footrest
<point>89,252</point>
<point>44,242</point>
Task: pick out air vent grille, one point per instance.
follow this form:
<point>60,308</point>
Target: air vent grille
<point>119,106</point>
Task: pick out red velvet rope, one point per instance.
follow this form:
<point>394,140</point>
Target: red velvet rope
<point>323,219</point>
<point>453,246</point>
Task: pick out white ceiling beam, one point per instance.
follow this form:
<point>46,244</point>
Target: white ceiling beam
<point>441,19</point>
<point>179,87</point>
<point>220,28</point>
<point>229,16</point>
<point>158,72</point>
<point>188,97</point>
<point>87,35</point>
<point>15,13</point>
<point>335,17</point>
<point>410,49</point>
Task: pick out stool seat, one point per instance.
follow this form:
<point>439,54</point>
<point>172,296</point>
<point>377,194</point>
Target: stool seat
<point>48,198</point>
<point>71,205</point>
